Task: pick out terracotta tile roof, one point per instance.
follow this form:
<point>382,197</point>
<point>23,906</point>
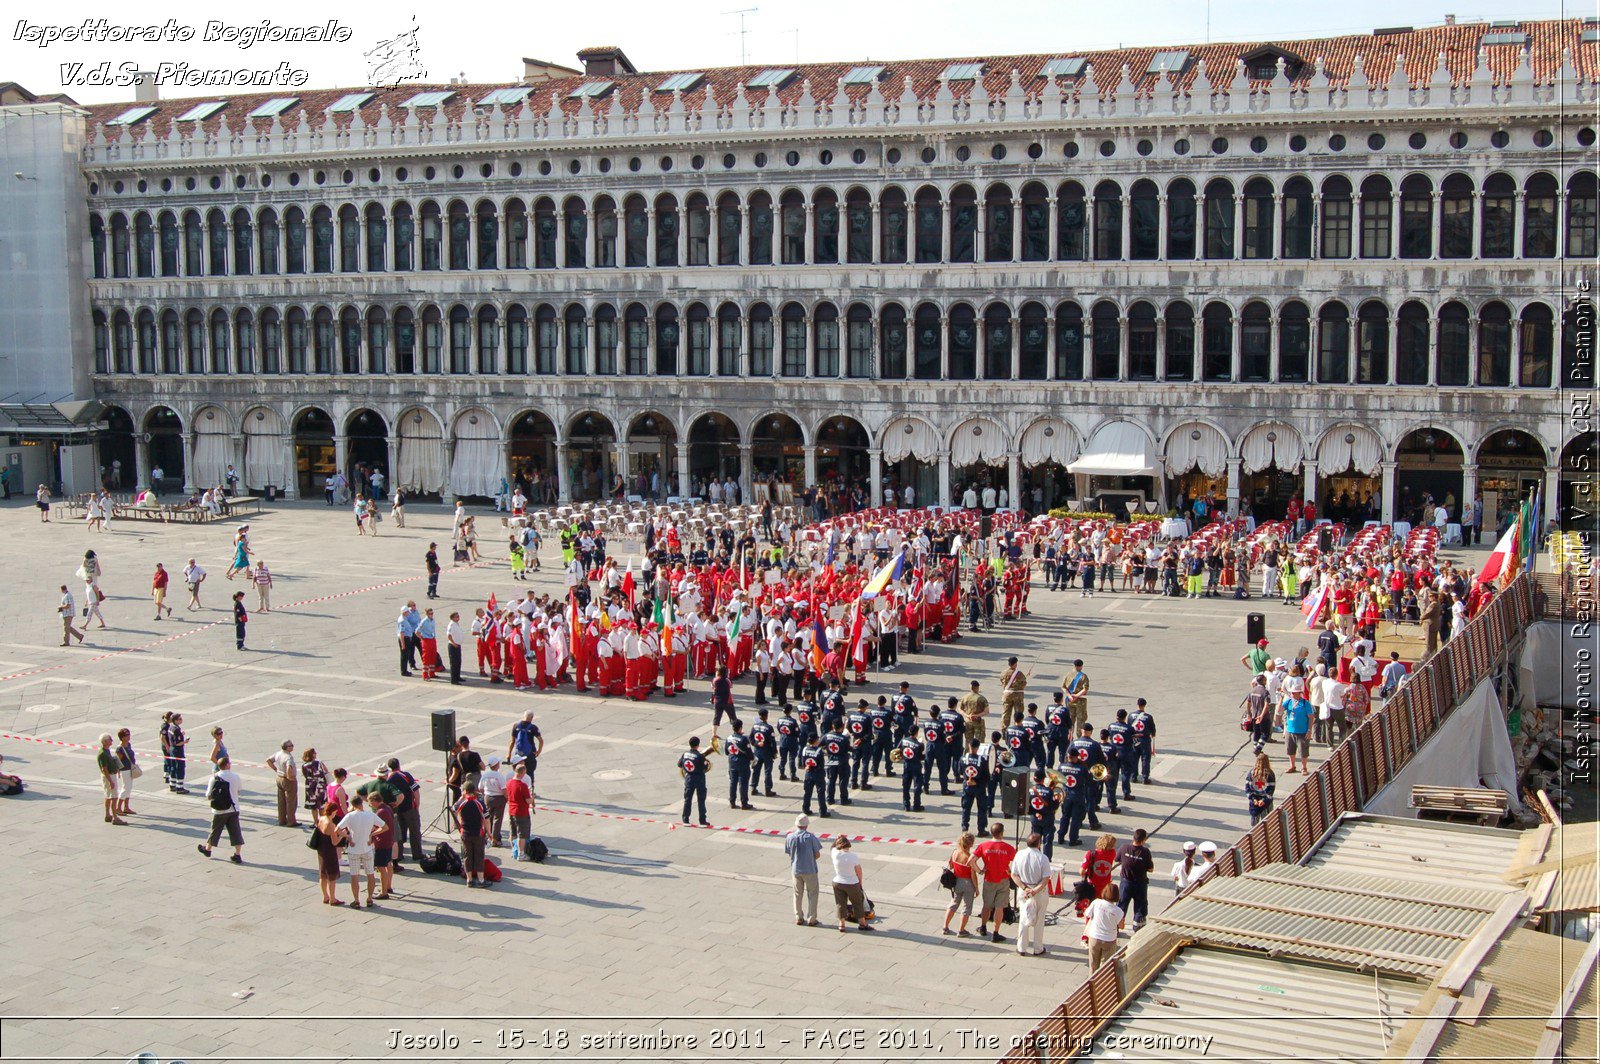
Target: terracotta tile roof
<point>1459,44</point>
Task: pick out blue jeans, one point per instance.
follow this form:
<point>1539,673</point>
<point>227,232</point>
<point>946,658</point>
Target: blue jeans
<point>1139,894</point>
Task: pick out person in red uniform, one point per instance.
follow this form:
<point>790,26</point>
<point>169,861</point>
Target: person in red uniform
<point>537,638</point>
<point>1098,864</point>
<point>513,650</point>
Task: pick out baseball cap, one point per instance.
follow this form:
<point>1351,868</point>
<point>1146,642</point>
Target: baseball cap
<point>494,759</point>
<point>1261,642</point>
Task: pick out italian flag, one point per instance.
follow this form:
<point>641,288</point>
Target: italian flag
<point>1503,560</point>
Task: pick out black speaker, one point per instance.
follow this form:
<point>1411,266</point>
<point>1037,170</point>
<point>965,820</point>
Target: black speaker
<point>1325,538</point>
<point>1255,627</point>
<point>444,730</point>
<point>1013,791</point>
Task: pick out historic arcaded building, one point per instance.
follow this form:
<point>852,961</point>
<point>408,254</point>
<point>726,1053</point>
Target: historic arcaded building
<point>1328,267</point>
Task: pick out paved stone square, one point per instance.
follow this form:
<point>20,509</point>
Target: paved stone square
<point>646,926</point>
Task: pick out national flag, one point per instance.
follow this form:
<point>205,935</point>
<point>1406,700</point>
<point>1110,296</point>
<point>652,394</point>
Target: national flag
<point>881,578</point>
<point>575,624</point>
<point>858,646</point>
<point>1313,606</point>
<point>1531,540</point>
<point>820,631</point>
<point>492,606</point>
<point>1503,559</point>
<point>736,626</point>
<point>627,582</point>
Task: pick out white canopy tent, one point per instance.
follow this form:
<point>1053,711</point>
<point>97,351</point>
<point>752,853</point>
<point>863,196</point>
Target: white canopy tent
<point>1117,449</point>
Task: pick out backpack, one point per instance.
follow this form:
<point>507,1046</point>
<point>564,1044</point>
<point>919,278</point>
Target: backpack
<point>491,871</point>
<point>219,794</point>
<point>446,861</point>
<point>536,850</point>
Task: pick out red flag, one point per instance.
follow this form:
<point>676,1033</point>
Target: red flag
<point>575,622</point>
<point>858,646</point>
<point>491,605</point>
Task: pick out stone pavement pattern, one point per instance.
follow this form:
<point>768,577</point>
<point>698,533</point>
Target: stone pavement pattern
<point>684,927</point>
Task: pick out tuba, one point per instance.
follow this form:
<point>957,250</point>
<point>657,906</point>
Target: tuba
<point>1052,779</point>
<point>1099,773</point>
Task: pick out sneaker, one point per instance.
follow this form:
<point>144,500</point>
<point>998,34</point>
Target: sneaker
<point>205,851</point>
<point>236,859</point>
<point>963,934</point>
<point>948,931</point>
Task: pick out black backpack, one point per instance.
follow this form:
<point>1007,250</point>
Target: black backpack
<point>446,861</point>
<point>219,794</point>
<point>537,851</point>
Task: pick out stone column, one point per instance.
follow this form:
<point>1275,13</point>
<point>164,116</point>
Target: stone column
<point>649,236</point>
<point>1053,237</point>
<point>746,470</point>
<point>1517,225</point>
<point>291,490</point>
<point>683,232</point>
<point>1236,358</point>
<point>1014,471</point>
<point>1273,367</point>
<point>1552,493</point>
<point>944,478</point>
<point>980,246</point>
<point>563,471</point>
<point>1477,224</point>
<point>944,348</point>
<point>1233,486</point>
<point>1514,378</point>
<point>875,255</point>
<point>1310,470</point>
<point>1016,227</point>
<point>1436,226</point>
<point>875,474</point>
<point>741,246</point>
<point>1238,232</point>
<point>1386,502</point>
<point>811,464</point>
<point>340,454</point>
<point>1050,345</point>
<point>808,237</point>
<point>389,445</point>
<point>1274,249</point>
<point>684,475</point>
<point>1472,351</point>
<point>1122,347</point>
<point>944,231</point>
<point>1016,348</point>
<point>188,463</point>
<point>1316,225</point>
<point>1469,489</point>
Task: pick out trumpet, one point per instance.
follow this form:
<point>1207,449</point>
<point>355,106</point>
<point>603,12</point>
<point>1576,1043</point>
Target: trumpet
<point>1099,773</point>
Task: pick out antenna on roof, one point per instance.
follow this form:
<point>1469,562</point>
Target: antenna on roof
<point>743,32</point>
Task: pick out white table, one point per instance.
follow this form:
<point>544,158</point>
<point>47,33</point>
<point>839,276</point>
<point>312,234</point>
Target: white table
<point>1174,528</point>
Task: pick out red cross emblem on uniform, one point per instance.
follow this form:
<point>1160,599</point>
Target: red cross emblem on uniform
<point>1070,781</point>
<point>972,773</point>
<point>1038,803</point>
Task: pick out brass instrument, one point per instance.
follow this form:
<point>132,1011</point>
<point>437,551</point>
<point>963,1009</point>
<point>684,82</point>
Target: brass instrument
<point>895,756</point>
<point>1099,773</point>
<point>1052,779</point>
<point>1008,758</point>
<point>715,747</point>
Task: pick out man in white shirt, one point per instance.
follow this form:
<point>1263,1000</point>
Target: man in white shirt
<point>1393,674</point>
<point>452,639</point>
<point>988,498</point>
<point>911,497</point>
<point>1030,871</point>
<point>358,826</point>
<point>969,498</point>
<point>193,577</point>
<point>492,789</point>
<point>286,773</point>
<point>222,793</point>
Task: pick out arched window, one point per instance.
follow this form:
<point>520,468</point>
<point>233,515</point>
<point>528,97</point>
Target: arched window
<point>1105,340</point>
<point>605,232</point>
<point>997,342</point>
<point>1294,343</point>
<point>1538,346</point>
<point>858,341</point>
<point>1033,342</point>
<point>1416,217</point>
<point>1142,341</point>
<point>1372,343</point>
<point>927,343</point>
<point>997,219</point>
<point>1297,216</point>
<point>699,319</point>
<point>825,320</point>
<point>244,238</point>
<point>1539,217</point>
<point>1333,344</point>
<point>666,341</point>
<point>729,225</point>
<point>405,238</point>
<point>244,343</point>
<point>460,236</point>
<point>761,340</point>
<point>1377,218</point>
<point>1337,207</point>
<point>1035,222</point>
<point>1255,342</point>
<point>1216,342</point>
<point>1181,219</point>
<point>1257,219</point>
<point>271,341</point>
<point>322,240</point>
<point>793,337</point>
<point>144,246</point>
<point>963,224</point>
<point>825,216</point>
<point>1499,206</point>
<point>963,343</point>
<point>97,240</point>
<point>1219,219</point>
<point>636,232</point>
<point>1107,221</point>
<point>575,225</point>
<point>697,216</point>
<point>1494,345</point>
<point>667,230</point>
<point>194,245</point>
<point>432,237</point>
<point>377,340</point>
<point>1069,342</point>
<point>488,234</point>
<point>858,226</point>
<point>1144,222</point>
<point>577,341</point>
<point>1581,204</point>
<point>460,340</point>
<point>1072,243</point>
<point>102,343</point>
<point>171,343</point>
<point>377,238</point>
<point>892,219</point>
<point>405,341</point>
<point>1411,352</point>
<point>119,245</point>
<point>194,346</point>
<point>545,234</point>
<point>606,337</point>
<point>793,211</point>
<point>517,340</point>
<point>1577,345</point>
<point>349,341</point>
<point>297,340</point>
<point>171,244</point>
<point>349,239</point>
<point>122,342</point>
<point>892,343</point>
<point>146,333</point>
<point>219,341</point>
<point>488,340</point>
<point>546,339</point>
<point>322,339</point>
<point>761,230</point>
<point>267,241</point>
<point>930,223</point>
<point>516,223</point>
<point>1455,217</point>
<point>1180,341</point>
<point>729,330</point>
<point>217,243</point>
<point>1455,342</point>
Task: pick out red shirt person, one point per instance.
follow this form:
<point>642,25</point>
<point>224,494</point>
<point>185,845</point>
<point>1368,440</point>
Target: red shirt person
<point>993,857</point>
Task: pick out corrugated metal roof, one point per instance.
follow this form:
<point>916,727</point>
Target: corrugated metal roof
<point>1418,850</point>
<point>1336,916</point>
<point>1521,981</point>
<point>1257,1008</point>
<point>1561,873</point>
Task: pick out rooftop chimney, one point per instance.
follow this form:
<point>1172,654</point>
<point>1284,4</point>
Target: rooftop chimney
<point>1449,20</point>
<point>605,61</point>
<point>145,89</point>
<point>537,70</point>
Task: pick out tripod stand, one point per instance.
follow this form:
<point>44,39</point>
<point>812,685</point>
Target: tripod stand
<point>446,812</point>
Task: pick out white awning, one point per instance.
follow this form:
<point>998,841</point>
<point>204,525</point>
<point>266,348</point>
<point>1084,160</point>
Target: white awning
<point>1118,449</point>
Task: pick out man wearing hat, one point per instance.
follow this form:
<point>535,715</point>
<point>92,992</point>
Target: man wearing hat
<point>492,789</point>
<point>1208,857</point>
<point>1257,660</point>
<point>1185,869</point>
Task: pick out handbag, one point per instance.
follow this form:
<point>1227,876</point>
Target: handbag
<point>947,879</point>
<point>99,596</point>
<point>135,772</point>
<point>314,841</point>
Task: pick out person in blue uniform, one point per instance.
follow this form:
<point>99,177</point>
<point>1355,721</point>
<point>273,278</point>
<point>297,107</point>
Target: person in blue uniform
<point>1086,754</point>
<point>931,731</point>
<point>881,718</point>
<point>1042,811</point>
<point>1122,738</point>
<point>858,729</point>
<point>1107,788</point>
<point>1057,729</point>
<point>740,752</point>
<point>836,759</point>
<point>692,763</point>
<point>973,772</point>
<point>911,783</point>
<point>811,769</point>
<point>953,728</point>
<point>764,743</point>
<point>1143,723</point>
<point>904,710</point>
<point>1074,803</point>
<point>788,728</point>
